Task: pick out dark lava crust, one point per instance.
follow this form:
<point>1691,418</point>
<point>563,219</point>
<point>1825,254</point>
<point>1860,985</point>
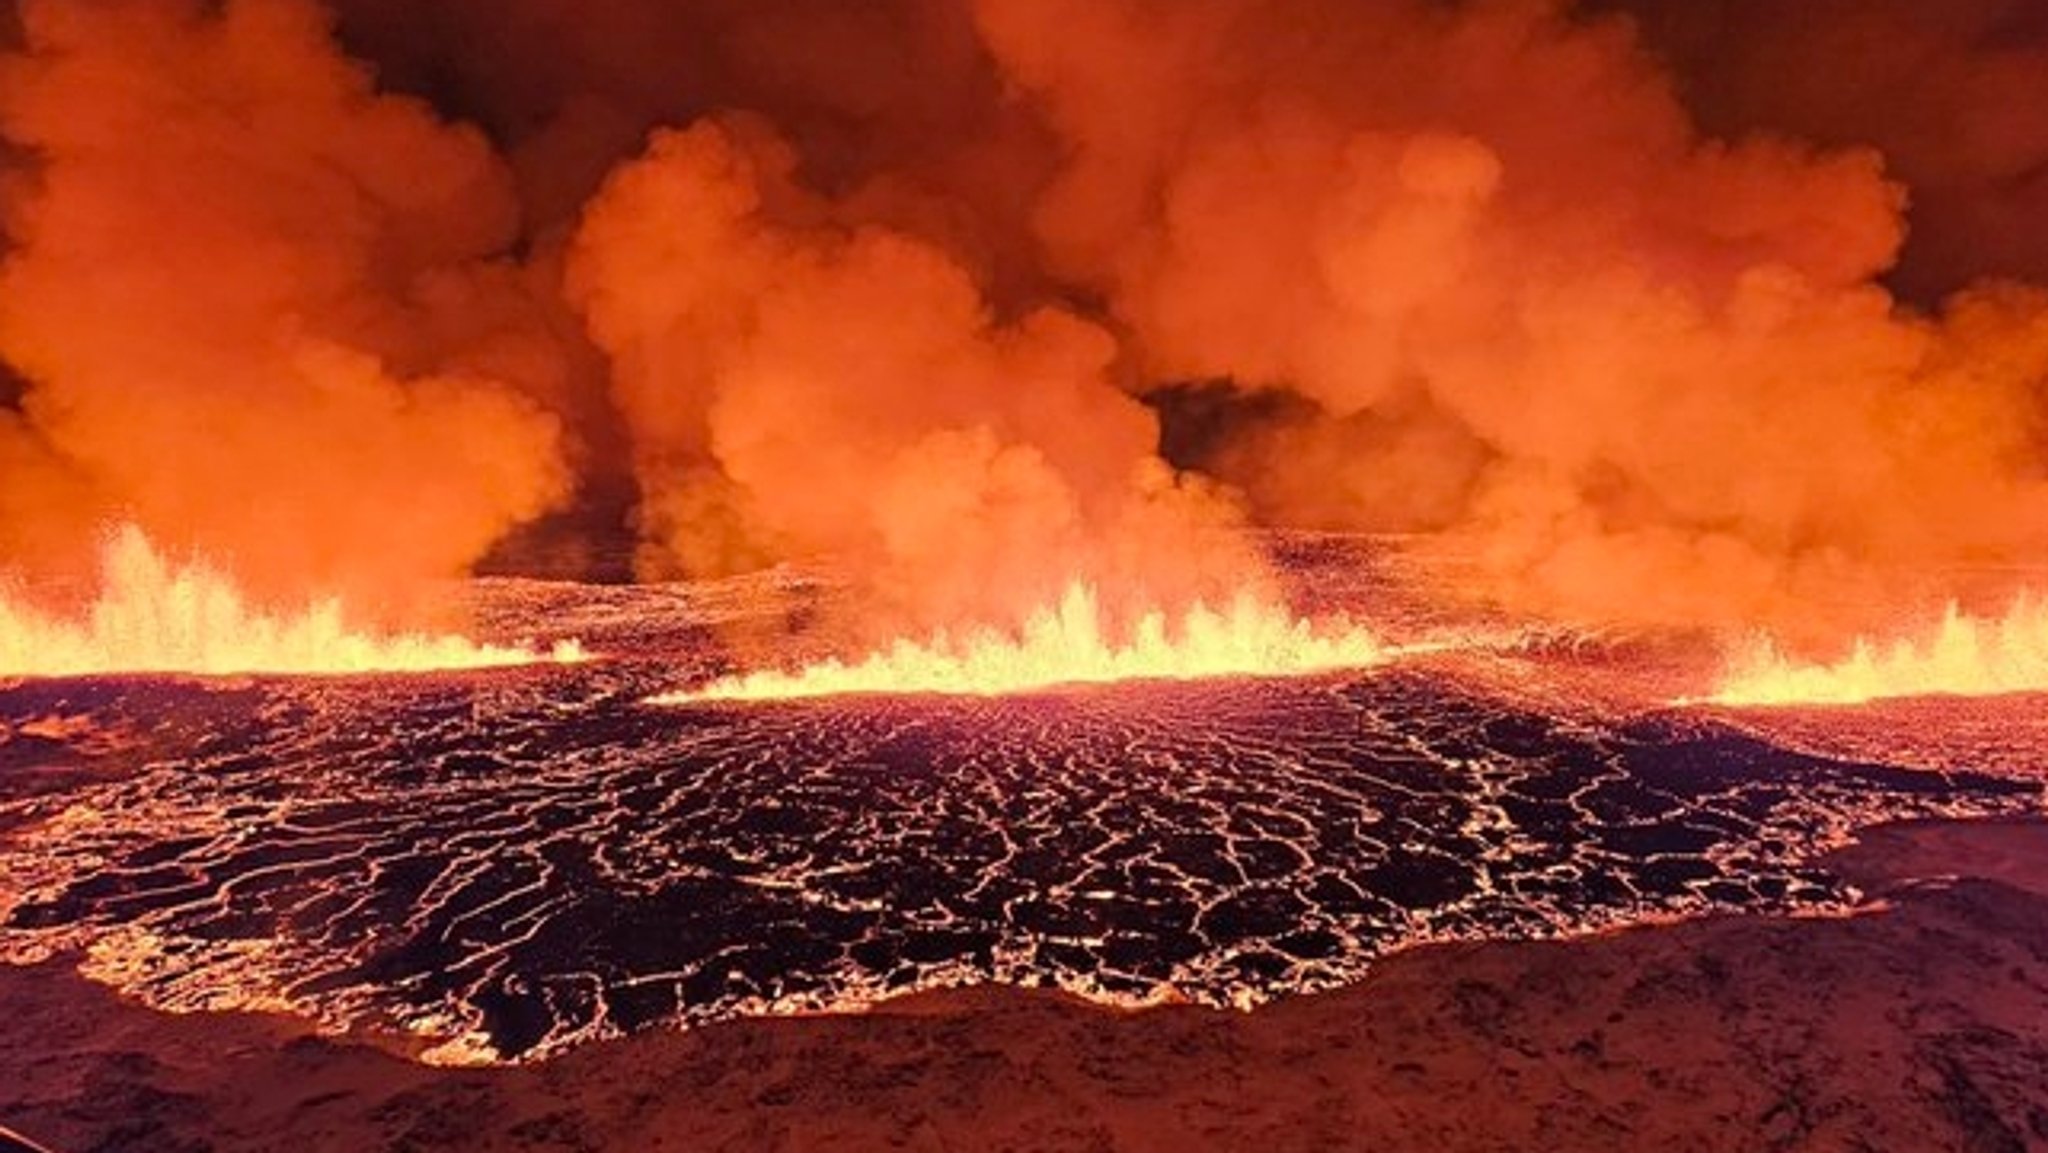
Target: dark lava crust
<point>534,858</point>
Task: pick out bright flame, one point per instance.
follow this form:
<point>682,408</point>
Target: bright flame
<point>154,617</point>
<point>1965,656</point>
<point>1070,645</point>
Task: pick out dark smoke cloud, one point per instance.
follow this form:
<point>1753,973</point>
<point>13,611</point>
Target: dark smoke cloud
<point>1952,93</point>
<point>892,105</point>
<point>1601,301</point>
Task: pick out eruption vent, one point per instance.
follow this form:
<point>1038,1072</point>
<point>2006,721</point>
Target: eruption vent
<point>1072,644</point>
<point>1963,656</point>
<point>153,616</point>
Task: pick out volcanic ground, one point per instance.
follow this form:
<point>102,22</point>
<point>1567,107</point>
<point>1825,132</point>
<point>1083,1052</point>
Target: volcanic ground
<point>504,864</point>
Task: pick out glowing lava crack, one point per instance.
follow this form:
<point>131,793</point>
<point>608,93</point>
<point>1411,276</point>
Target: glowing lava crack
<point>154,617</point>
<point>1070,645</point>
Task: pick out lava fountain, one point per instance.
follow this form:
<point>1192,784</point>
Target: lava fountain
<point>154,616</point>
<point>1072,643</point>
<point>1962,656</point>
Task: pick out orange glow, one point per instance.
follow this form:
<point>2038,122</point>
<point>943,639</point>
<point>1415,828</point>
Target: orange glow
<point>1071,644</point>
<point>1964,656</point>
<point>153,616</point>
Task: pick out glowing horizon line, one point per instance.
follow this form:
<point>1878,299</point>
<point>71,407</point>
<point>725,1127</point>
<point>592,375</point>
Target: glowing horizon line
<point>156,617</point>
<point>1960,656</point>
<point>1069,646</point>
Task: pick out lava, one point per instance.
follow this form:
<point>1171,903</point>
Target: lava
<point>510,867</point>
<point>1072,644</point>
<point>154,616</point>
<point>1963,656</point>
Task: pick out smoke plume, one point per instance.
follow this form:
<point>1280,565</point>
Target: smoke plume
<point>1629,368</point>
<point>799,385</point>
<point>1601,299</point>
<point>238,290</point>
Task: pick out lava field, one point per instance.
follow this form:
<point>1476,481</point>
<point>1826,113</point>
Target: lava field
<point>503,864</point>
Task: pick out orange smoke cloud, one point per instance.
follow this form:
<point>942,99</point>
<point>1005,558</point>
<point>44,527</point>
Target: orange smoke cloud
<point>231,267</point>
<point>885,281</point>
<point>1631,369</point>
<point>798,384</point>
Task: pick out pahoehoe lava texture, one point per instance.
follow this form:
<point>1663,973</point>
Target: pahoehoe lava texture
<point>527,859</point>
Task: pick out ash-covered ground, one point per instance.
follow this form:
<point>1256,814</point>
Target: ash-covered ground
<point>504,864</point>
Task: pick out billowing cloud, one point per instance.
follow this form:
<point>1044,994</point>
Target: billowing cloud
<point>344,295</point>
<point>1629,368</point>
<point>237,292</point>
<point>799,385</point>
<point>1950,93</point>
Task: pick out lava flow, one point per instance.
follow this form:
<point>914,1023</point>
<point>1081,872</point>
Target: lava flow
<point>1963,656</point>
<point>153,616</point>
<point>1072,644</point>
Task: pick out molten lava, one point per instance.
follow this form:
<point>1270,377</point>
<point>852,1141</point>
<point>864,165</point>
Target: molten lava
<point>1963,656</point>
<point>1072,644</point>
<point>155,617</point>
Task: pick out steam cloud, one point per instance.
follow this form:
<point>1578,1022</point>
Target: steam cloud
<point>244,291</point>
<point>797,390</point>
<point>342,296</point>
<point>1527,304</point>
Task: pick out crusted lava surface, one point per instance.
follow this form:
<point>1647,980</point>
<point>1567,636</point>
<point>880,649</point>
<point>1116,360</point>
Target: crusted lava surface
<point>507,863</point>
